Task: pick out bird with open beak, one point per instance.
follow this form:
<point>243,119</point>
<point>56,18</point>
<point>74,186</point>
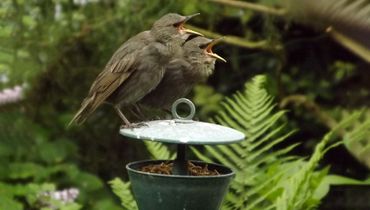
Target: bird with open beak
<point>194,65</point>
<point>137,67</point>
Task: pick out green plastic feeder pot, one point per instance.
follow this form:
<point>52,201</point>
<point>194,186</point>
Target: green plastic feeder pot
<point>178,192</point>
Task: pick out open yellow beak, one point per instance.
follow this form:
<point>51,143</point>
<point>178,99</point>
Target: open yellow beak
<point>211,53</point>
<point>186,30</point>
<point>189,31</point>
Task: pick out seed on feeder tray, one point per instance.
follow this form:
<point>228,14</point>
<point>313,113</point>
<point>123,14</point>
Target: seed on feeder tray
<point>166,168</point>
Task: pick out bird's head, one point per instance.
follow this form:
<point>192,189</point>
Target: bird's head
<point>171,26</point>
<point>201,48</point>
<point>198,52</point>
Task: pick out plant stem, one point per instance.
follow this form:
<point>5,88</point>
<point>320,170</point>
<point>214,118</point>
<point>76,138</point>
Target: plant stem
<point>233,40</point>
<point>351,44</point>
<point>307,103</point>
<point>251,6</point>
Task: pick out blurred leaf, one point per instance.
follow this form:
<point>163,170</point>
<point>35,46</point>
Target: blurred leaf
<point>25,170</point>
<point>342,70</point>
<point>331,180</point>
<point>106,204</point>
<point>88,182</point>
<point>10,204</point>
<point>207,100</point>
<point>57,151</point>
<point>190,7</point>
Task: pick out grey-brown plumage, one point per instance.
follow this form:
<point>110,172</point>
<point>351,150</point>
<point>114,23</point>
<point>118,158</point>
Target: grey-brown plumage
<point>193,65</point>
<point>136,67</point>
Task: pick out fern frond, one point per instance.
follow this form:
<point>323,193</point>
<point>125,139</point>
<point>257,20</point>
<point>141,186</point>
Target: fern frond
<point>158,150</point>
<point>252,112</point>
<point>231,154</point>
<point>201,155</point>
<point>356,139</point>
<point>299,189</point>
<point>269,178</point>
<point>122,190</point>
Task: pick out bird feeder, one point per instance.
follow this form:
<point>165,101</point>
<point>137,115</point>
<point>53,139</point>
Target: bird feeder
<point>181,190</point>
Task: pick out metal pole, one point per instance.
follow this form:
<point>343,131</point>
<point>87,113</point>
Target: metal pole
<point>180,165</point>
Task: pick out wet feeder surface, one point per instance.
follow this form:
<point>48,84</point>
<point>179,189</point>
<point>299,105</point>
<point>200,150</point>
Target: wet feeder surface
<point>184,132</point>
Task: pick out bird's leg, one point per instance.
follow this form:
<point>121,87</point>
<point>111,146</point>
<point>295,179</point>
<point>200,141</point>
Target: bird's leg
<point>136,110</point>
<point>122,116</point>
<point>125,120</point>
<point>139,111</point>
<point>135,114</point>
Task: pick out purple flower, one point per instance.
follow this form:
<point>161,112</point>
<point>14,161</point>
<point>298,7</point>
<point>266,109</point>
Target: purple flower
<point>11,95</point>
<point>65,196</point>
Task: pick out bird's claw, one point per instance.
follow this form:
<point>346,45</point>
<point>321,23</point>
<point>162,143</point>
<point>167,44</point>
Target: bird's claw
<point>134,125</point>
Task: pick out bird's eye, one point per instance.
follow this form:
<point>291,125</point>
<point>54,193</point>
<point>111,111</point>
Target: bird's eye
<point>203,46</point>
<point>176,25</point>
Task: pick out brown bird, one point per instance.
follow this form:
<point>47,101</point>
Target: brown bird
<point>194,65</point>
<point>136,67</point>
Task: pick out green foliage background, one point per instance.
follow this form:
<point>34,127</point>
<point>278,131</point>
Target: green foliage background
<point>56,48</point>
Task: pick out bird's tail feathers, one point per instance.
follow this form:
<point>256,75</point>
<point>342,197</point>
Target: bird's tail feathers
<point>87,107</point>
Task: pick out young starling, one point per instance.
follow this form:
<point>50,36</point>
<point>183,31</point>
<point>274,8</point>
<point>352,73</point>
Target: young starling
<point>136,67</point>
<point>194,65</point>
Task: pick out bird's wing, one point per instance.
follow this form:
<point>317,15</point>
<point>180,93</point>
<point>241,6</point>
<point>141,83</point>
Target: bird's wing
<point>115,72</point>
<point>119,66</point>
<point>118,69</point>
